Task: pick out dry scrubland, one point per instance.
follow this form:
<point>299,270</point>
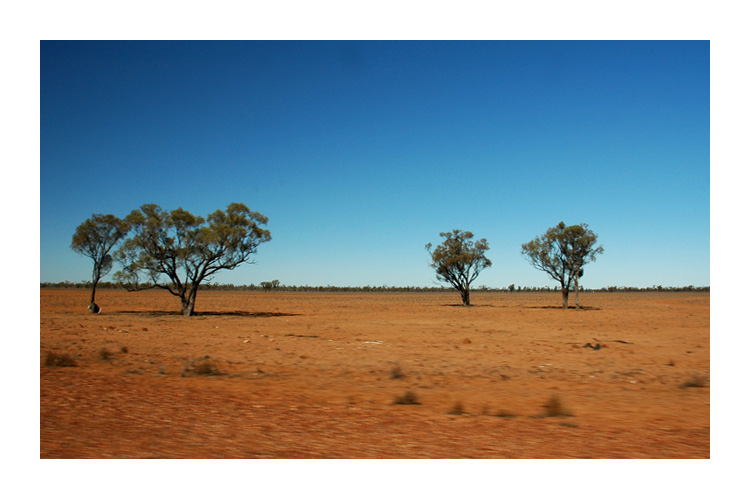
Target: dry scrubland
<point>294,375</point>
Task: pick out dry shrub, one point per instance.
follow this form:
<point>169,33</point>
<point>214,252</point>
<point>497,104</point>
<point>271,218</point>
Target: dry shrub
<point>408,398</point>
<point>506,414</point>
<point>206,368</point>
<point>696,381</point>
<point>554,408</point>
<point>201,367</point>
<point>457,409</point>
<point>396,372</point>
<point>55,359</point>
<point>105,354</point>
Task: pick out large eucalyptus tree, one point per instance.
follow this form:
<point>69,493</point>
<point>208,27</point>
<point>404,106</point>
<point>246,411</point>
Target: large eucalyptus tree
<point>177,251</point>
<point>562,252</point>
<point>458,260</point>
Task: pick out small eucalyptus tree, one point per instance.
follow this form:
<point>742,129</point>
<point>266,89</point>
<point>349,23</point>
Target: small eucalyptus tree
<point>177,250</point>
<point>96,238</point>
<point>458,260</point>
<point>562,252</point>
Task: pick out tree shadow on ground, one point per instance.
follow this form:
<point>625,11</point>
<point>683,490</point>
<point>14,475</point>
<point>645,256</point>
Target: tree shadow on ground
<point>464,306</point>
<point>235,313</point>
<point>559,307</point>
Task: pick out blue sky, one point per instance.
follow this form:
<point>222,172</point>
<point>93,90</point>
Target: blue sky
<point>360,153</point>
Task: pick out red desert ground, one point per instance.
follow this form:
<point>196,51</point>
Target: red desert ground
<point>374,375</point>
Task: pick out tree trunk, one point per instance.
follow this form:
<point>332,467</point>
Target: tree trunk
<point>93,307</point>
<point>565,293</point>
<point>188,302</point>
<point>465,297</point>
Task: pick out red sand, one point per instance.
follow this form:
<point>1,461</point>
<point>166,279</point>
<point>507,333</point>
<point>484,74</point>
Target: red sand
<point>314,376</point>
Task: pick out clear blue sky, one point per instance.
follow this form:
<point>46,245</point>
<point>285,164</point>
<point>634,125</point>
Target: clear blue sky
<point>360,153</point>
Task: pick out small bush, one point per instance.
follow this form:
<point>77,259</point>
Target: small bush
<point>202,367</point>
<point>105,354</point>
<point>457,409</point>
<point>505,414</point>
<point>396,372</point>
<point>553,408</point>
<point>124,349</point>
<point>408,398</point>
<point>697,381</point>
<point>54,359</point>
<point>206,368</point>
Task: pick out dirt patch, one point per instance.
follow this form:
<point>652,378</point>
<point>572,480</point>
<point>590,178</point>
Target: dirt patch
<point>311,375</point>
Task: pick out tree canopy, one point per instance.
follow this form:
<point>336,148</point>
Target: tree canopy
<point>178,251</point>
<point>96,238</point>
<point>458,260</point>
<point>562,252</point>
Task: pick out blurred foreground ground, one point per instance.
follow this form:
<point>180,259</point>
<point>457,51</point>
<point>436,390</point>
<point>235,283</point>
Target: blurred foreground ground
<point>315,375</point>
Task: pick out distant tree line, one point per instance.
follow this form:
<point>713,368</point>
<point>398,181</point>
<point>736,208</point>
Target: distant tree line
<point>393,289</point>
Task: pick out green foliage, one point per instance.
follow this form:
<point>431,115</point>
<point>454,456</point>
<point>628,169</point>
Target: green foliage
<point>178,251</point>
<point>562,252</point>
<point>269,285</point>
<point>96,238</point>
<point>458,260</point>
<point>390,289</point>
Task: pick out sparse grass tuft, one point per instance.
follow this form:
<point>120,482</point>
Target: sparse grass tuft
<point>506,414</point>
<point>396,372</point>
<point>54,359</point>
<point>206,368</point>
<point>554,408</point>
<point>457,409</point>
<point>201,367</point>
<point>408,398</point>
<point>696,381</point>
